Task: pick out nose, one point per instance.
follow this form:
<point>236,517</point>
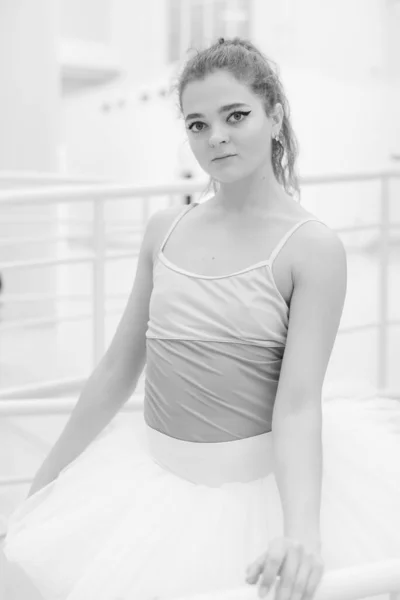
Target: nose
<point>217,137</point>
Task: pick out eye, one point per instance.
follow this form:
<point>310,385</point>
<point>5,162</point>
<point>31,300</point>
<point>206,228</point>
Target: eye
<point>236,112</point>
<point>239,113</point>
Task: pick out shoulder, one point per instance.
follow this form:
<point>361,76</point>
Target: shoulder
<point>313,239</point>
<point>320,251</point>
<point>319,275</point>
<point>159,223</point>
<point>316,252</point>
<point>165,216</point>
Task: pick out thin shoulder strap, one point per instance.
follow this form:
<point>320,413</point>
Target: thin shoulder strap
<point>175,223</point>
<point>287,235</point>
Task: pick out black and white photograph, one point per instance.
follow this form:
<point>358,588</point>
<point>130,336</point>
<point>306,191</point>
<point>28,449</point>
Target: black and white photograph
<point>199,299</point>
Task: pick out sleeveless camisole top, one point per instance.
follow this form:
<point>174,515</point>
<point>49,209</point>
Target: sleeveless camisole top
<point>214,349</point>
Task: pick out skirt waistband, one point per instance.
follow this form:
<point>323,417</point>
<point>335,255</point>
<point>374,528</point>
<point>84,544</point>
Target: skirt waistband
<point>213,463</point>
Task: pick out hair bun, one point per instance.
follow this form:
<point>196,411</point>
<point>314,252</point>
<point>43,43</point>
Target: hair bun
<point>221,40</point>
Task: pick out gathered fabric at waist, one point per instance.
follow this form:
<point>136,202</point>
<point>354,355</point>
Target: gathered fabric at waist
<point>213,463</point>
<point>212,391</point>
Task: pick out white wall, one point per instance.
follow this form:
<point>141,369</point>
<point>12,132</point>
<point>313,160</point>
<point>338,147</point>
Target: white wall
<point>139,32</point>
<point>343,38</point>
<point>88,20</point>
<point>332,58</point>
<point>29,84</point>
<point>29,131</point>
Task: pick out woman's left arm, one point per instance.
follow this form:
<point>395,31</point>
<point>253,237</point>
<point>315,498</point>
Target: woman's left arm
<point>320,279</point>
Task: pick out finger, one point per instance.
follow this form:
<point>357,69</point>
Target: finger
<point>271,568</point>
<point>291,565</point>
<point>254,570</point>
<point>302,579</point>
<point>314,580</point>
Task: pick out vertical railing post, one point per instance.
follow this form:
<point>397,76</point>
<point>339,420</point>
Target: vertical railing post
<point>98,281</point>
<point>2,567</point>
<point>383,306</point>
<point>145,211</point>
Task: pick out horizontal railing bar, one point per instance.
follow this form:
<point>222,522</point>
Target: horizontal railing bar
<point>352,228</point>
<point>68,237</point>
<point>21,298</point>
<point>57,406</point>
<point>351,583</point>
<point>25,218</point>
<point>349,177</point>
<point>43,239</point>
<point>55,320</point>
<point>33,177</point>
<point>363,326</point>
<point>14,481</point>
<point>112,192</point>
<point>39,321</point>
<point>55,387</point>
<point>27,177</point>
<point>49,262</point>
<point>368,227</point>
<point>99,192</point>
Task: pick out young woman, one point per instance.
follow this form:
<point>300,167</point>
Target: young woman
<point>242,472</point>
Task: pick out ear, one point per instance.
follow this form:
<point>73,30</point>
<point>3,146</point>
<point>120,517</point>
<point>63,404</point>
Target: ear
<point>277,115</point>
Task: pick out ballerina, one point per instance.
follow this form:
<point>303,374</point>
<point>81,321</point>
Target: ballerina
<point>241,469</point>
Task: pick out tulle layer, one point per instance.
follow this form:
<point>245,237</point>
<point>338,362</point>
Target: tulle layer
<point>144,516</point>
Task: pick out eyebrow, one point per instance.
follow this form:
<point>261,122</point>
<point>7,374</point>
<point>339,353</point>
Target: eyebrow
<point>221,110</point>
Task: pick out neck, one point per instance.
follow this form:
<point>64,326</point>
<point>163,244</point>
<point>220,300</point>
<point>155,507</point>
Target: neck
<point>251,195</point>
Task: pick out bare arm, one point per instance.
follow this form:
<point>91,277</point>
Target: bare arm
<point>316,307</point>
<point>114,379</point>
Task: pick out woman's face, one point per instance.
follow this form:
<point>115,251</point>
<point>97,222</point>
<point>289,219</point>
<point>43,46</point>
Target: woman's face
<point>244,131</point>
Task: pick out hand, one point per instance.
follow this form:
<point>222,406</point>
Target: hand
<point>300,568</point>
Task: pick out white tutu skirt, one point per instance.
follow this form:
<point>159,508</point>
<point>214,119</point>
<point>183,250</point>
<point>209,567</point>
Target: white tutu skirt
<point>144,516</point>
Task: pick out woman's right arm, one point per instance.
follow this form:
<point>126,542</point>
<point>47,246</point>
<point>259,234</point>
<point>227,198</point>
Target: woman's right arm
<point>115,378</point>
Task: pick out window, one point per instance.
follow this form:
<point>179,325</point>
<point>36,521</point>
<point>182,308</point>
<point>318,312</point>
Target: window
<point>198,23</point>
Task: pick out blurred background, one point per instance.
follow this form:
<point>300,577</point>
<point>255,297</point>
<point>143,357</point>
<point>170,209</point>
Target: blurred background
<point>91,145</point>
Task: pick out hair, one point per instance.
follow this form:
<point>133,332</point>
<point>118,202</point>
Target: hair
<point>249,66</point>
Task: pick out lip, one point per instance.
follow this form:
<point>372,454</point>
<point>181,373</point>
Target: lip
<point>225,156</point>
